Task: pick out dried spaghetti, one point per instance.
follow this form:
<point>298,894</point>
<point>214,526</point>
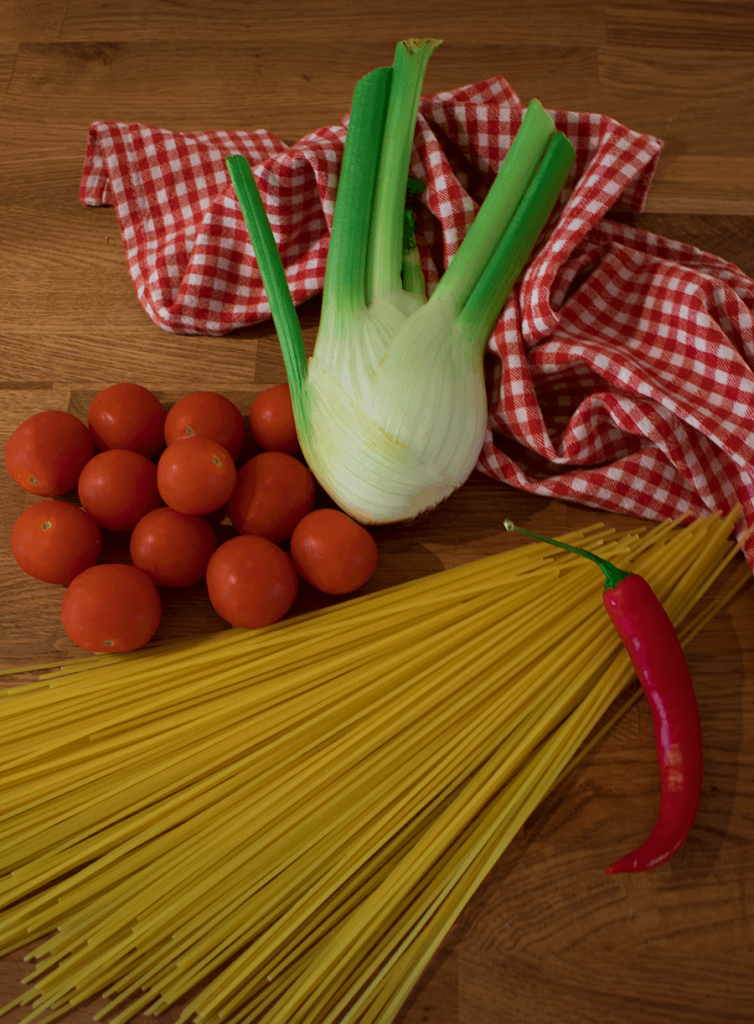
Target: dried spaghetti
<point>287,821</point>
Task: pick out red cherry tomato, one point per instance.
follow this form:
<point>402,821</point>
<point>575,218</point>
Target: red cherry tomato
<point>111,607</point>
<point>251,582</point>
<point>54,541</point>
<point>272,493</point>
<point>118,487</point>
<point>196,476</point>
<point>173,549</point>
<point>272,423</point>
<point>332,552</point>
<point>46,453</point>
<point>130,417</point>
<point>208,415</point>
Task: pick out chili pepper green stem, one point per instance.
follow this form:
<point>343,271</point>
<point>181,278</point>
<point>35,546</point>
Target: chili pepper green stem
<point>613,575</point>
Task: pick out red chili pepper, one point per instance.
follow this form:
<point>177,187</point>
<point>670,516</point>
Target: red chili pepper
<point>658,659</point>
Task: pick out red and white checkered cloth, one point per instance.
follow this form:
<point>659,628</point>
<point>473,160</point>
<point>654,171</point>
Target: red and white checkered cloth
<point>624,362</point>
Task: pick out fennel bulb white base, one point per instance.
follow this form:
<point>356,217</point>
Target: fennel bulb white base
<point>390,441</point>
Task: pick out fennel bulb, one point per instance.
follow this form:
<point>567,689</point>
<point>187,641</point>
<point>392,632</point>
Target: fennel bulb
<point>390,437</point>
<point>391,408</point>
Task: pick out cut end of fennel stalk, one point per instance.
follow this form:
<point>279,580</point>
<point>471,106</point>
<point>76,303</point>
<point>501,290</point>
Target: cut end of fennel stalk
<point>413,45</point>
<point>391,410</point>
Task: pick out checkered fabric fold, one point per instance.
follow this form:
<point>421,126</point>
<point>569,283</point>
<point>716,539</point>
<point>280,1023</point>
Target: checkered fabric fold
<point>622,367</point>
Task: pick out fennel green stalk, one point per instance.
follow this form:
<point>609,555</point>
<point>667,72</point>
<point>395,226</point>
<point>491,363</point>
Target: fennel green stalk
<point>391,409</point>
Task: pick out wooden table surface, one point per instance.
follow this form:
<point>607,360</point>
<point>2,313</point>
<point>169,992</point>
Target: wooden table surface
<point>548,937</point>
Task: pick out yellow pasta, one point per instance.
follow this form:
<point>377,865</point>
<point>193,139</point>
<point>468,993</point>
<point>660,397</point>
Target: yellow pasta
<point>286,822</point>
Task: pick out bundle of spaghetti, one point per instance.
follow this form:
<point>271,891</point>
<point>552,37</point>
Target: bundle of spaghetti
<point>285,823</point>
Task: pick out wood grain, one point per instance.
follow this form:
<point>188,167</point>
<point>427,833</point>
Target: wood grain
<point>548,937</point>
<point>605,986</point>
<point>705,26</point>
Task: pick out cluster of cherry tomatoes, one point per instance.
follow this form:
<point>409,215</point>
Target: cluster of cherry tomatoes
<point>164,476</point>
